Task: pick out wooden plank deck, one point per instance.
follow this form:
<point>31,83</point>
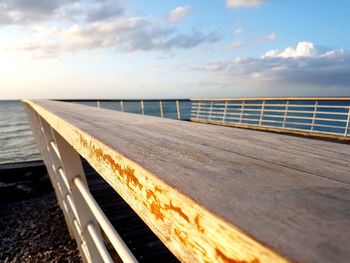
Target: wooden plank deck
<point>218,193</point>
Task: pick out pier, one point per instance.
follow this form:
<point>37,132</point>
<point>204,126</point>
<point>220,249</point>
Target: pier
<point>209,193</point>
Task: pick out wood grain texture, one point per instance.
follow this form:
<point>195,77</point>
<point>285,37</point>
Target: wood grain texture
<point>218,193</point>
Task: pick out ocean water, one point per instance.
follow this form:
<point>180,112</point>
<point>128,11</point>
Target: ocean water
<point>16,139</point>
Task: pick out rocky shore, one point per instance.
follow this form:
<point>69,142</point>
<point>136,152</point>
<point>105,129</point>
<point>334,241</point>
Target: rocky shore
<point>34,230</point>
<point>32,226</point>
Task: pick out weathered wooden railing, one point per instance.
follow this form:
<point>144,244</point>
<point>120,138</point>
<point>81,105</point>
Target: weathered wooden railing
<point>209,193</point>
<point>83,216</point>
<point>324,117</point>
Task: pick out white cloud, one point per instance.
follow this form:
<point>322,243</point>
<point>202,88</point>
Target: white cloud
<point>269,37</point>
<point>178,14</point>
<point>94,24</point>
<point>305,64</point>
<point>243,3</point>
<point>238,31</point>
<point>303,49</point>
<point>236,45</point>
<point>125,34</point>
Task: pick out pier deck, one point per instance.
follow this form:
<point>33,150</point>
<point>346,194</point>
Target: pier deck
<point>212,192</point>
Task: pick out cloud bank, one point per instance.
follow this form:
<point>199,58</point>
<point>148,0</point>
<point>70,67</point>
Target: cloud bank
<point>243,3</point>
<point>96,24</point>
<point>304,64</point>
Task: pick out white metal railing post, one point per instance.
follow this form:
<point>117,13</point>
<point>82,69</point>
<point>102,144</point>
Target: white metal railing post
<point>285,114</point>
<point>68,207</point>
<point>72,167</point>
<point>314,116</point>
<point>161,108</point>
<point>55,164</point>
<point>225,111</point>
<point>198,109</point>
<point>36,128</point>
<point>262,113</point>
<point>347,126</point>
<point>210,110</point>
<point>98,104</point>
<point>142,107</point>
<point>122,106</point>
<point>242,110</point>
<point>178,110</point>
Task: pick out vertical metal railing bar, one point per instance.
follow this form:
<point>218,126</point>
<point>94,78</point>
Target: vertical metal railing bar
<point>161,108</point>
<point>225,110</point>
<point>314,116</point>
<point>198,109</point>
<point>242,110</point>
<point>86,252</point>
<point>73,206</point>
<point>98,239</point>
<point>210,110</point>
<point>98,104</point>
<point>122,106</point>
<point>347,124</point>
<point>54,147</point>
<point>117,242</point>
<point>64,178</point>
<point>142,107</point>
<point>285,114</point>
<point>262,112</point>
<point>178,110</point>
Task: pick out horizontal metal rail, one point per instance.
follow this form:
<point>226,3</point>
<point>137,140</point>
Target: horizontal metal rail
<point>114,238</point>
<point>313,116</point>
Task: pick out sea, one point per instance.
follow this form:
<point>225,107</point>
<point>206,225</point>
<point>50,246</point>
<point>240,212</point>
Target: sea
<point>16,139</point>
<point>17,143</point>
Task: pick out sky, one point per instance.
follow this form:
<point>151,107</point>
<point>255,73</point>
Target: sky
<point>112,49</point>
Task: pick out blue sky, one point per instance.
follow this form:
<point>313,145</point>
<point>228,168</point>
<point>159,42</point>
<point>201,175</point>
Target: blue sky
<point>167,49</point>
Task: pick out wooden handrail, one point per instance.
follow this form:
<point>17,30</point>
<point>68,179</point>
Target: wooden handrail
<point>217,194</point>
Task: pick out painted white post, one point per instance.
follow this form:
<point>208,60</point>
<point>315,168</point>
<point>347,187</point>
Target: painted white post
<point>142,108</point>
<point>314,116</point>
<point>210,110</point>
<point>36,128</point>
<point>285,114</point>
<point>178,110</point>
<point>262,113</point>
<point>242,110</point>
<point>98,104</point>
<point>225,111</point>
<point>122,106</point>
<point>161,109</point>
<point>198,109</point>
<point>347,124</point>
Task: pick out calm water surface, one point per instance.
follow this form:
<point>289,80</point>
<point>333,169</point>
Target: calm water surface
<point>16,138</point>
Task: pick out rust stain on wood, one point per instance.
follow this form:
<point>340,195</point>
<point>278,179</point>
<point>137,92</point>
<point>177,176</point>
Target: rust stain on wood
<point>154,205</point>
<point>126,172</point>
<point>226,259</point>
<point>177,210</point>
<point>199,227</point>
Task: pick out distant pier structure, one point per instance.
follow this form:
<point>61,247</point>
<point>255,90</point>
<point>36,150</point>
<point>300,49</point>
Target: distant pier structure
<point>272,187</point>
